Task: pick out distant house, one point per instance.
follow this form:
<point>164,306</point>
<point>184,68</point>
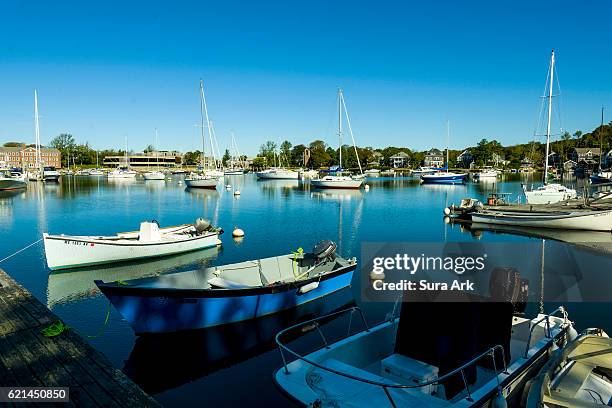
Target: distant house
<point>608,159</point>
<point>434,158</point>
<point>586,155</point>
<point>526,163</point>
<point>554,159</point>
<point>497,159</point>
<point>465,160</point>
<point>399,160</point>
<point>377,158</point>
<point>569,165</point>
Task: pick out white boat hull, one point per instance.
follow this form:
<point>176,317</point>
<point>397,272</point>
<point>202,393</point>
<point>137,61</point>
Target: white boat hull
<point>63,251</point>
<point>322,183</point>
<point>281,175</point>
<point>8,183</point>
<point>154,175</point>
<point>201,183</point>
<point>121,175</point>
<point>550,194</point>
<point>578,220</point>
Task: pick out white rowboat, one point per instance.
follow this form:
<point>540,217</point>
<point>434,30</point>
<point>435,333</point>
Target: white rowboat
<point>70,251</point>
<point>571,220</point>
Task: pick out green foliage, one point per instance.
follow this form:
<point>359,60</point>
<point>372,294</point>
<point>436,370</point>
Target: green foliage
<point>268,151</point>
<point>192,158</point>
<point>226,157</point>
<point>319,154</point>
<point>12,144</point>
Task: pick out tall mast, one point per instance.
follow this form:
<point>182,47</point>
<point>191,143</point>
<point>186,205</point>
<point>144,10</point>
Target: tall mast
<point>127,161</point>
<point>348,122</point>
<point>204,112</point>
<point>601,151</point>
<point>340,124</point>
<point>37,133</point>
<point>447,141</point>
<point>550,95</point>
<point>156,151</point>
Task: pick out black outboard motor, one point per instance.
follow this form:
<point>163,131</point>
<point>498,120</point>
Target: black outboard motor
<point>324,249</point>
<point>201,225</point>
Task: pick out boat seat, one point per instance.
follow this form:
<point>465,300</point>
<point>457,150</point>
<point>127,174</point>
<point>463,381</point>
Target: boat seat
<point>278,269</point>
<point>221,283</point>
<point>245,273</point>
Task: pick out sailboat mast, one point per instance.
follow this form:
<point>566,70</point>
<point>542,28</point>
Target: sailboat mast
<point>601,150</point>
<point>550,95</point>
<point>203,111</point>
<point>447,141</point>
<point>156,150</point>
<point>340,124</point>
<point>127,162</point>
<point>37,133</point>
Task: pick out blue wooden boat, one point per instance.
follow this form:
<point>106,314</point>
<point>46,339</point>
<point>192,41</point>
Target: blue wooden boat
<point>229,293</point>
<point>443,177</point>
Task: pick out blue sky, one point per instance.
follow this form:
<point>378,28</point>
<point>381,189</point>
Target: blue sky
<point>271,69</point>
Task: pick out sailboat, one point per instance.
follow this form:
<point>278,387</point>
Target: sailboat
<point>278,172</point>
<point>235,168</point>
<point>155,175</point>
<point>97,171</point>
<point>199,180</point>
<point>123,172</point>
<point>549,193</point>
<point>603,175</point>
<point>340,181</point>
<point>444,177</point>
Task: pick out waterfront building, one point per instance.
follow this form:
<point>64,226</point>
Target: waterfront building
<point>399,160</point>
<point>161,158</point>
<point>465,160</point>
<point>25,157</point>
<point>434,158</point>
<point>586,155</point>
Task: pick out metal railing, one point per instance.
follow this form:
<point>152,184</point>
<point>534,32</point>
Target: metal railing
<point>385,385</point>
<point>546,318</point>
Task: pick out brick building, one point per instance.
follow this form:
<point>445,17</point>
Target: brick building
<point>25,157</point>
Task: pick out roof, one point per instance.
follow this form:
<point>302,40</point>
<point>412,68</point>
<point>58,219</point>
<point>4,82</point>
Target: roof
<point>400,155</point>
<point>584,150</point>
<point>434,152</point>
<point>19,149</point>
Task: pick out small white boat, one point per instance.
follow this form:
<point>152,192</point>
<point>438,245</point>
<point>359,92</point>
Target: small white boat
<point>309,173</point>
<point>423,170</point>
<point>592,220</point>
<point>195,180</point>
<point>96,172</point>
<point>214,173</point>
<point>440,359</point>
<point>234,172</point>
<point>277,174</point>
<point>121,173</point>
<point>70,251</point>
<point>372,173</point>
<point>154,175</point>
<point>51,174</point>
<point>578,375</point>
<point>10,182</point>
<point>487,173</point>
<point>336,182</point>
<point>549,194</point>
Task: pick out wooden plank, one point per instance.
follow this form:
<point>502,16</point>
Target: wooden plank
<point>27,358</point>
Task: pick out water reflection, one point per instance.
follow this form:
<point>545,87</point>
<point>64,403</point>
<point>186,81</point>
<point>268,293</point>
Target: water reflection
<point>165,361</point>
<point>73,285</point>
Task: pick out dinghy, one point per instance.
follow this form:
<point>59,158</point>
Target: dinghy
<point>229,293</point>
<point>578,375</point>
<point>73,251</point>
<point>464,354</point>
<point>591,220</point>
<point>200,181</point>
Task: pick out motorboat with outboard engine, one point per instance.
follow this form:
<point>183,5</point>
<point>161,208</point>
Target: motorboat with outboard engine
<point>230,293</point>
<point>73,251</point>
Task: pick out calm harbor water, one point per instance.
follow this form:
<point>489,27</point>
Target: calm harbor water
<point>229,365</point>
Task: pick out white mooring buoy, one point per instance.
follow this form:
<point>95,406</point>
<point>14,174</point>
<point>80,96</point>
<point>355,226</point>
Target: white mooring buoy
<point>237,192</point>
<point>367,187</point>
<point>238,233</point>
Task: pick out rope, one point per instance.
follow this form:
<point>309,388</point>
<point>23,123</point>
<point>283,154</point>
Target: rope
<point>59,327</point>
<point>21,250</point>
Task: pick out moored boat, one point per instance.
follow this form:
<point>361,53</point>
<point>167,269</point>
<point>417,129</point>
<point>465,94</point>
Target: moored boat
<point>602,176</point>
<point>277,174</point>
<point>10,182</point>
<point>195,180</point>
<point>73,251</point>
<point>592,220</point>
<point>466,354</point>
<point>51,174</point>
<point>337,182</point>
<point>154,175</point>
<point>423,170</point>
<point>578,375</point>
<point>444,177</point>
<point>229,293</point>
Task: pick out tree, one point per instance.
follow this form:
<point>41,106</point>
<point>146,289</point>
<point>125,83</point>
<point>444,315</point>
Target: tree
<point>268,150</point>
<point>149,148</point>
<point>12,144</point>
<point>192,158</point>
<point>285,152</point>
<point>319,156</point>
<point>297,155</point>
<point>226,157</point>
<point>64,143</point>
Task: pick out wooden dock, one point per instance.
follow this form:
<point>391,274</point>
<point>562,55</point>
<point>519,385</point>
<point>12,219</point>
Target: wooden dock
<point>29,359</point>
